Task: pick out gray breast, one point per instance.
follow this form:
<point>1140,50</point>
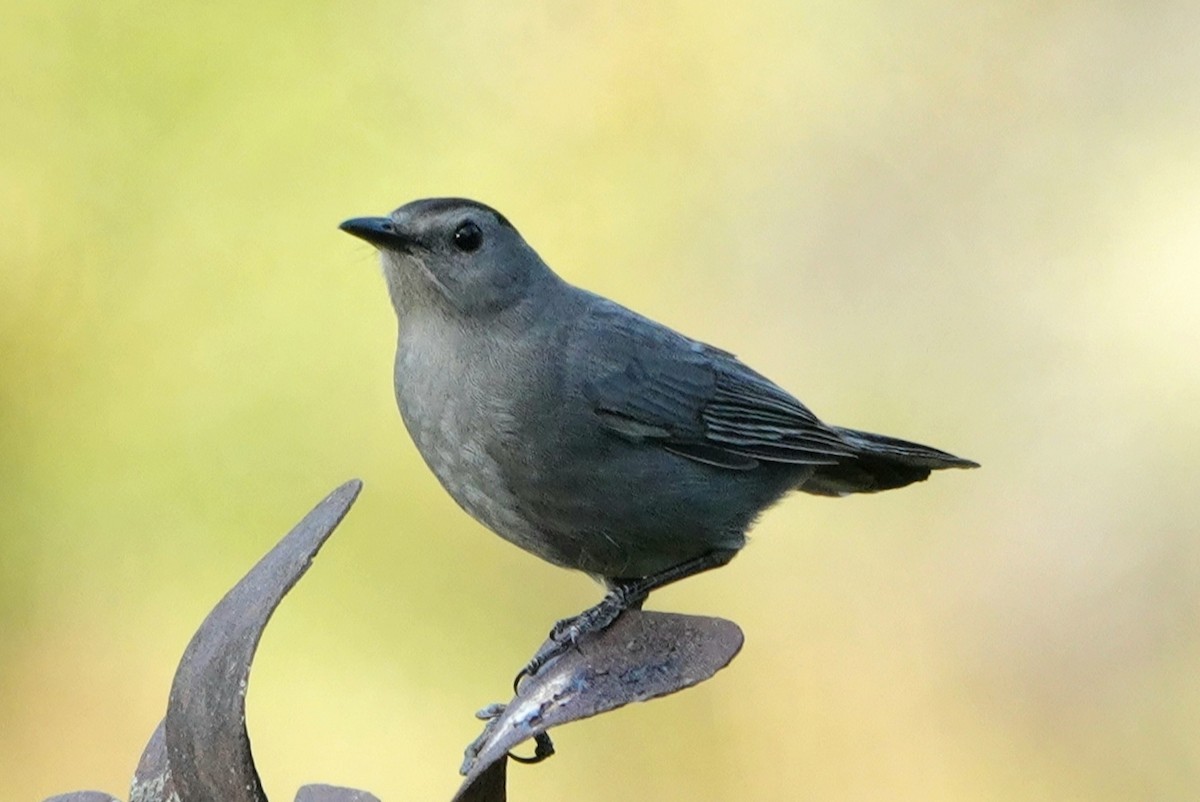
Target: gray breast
<point>460,431</point>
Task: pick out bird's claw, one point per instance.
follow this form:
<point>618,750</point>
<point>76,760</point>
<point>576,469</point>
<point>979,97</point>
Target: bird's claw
<point>543,747</point>
<point>561,639</point>
<point>567,632</point>
<point>491,715</point>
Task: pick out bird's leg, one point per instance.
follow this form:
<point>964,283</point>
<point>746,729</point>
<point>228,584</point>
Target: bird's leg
<point>623,594</point>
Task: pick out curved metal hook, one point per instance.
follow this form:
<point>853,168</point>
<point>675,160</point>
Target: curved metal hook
<point>201,751</point>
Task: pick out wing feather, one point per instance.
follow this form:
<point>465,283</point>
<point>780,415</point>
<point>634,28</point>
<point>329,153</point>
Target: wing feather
<point>698,401</point>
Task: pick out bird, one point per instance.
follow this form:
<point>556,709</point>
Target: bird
<point>585,433</point>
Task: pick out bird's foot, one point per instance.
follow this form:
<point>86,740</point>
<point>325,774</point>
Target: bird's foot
<point>567,632</point>
<point>543,747</point>
<point>625,593</point>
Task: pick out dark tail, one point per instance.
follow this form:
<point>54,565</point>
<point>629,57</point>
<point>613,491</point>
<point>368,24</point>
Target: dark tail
<point>879,463</point>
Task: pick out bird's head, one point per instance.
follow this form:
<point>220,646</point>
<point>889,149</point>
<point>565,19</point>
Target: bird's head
<point>451,252</point>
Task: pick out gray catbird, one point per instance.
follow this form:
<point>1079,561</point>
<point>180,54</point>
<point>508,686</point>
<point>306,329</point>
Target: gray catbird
<point>585,433</point>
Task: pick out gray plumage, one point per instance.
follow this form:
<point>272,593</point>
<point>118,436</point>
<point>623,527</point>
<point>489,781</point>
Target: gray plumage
<point>584,432</point>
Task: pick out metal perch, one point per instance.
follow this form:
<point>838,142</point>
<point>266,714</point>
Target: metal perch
<point>201,750</point>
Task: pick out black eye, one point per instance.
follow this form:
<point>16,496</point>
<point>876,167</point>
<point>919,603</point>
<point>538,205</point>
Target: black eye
<point>468,237</point>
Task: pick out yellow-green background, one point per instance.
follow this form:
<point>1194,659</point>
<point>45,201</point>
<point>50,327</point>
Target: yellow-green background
<point>975,225</point>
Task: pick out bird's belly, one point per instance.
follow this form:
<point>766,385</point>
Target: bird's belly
<point>618,512</point>
<point>460,457</point>
<point>461,436</point>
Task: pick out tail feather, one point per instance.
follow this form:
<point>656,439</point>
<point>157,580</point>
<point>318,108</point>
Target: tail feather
<point>879,463</point>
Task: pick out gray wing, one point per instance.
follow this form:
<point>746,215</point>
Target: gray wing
<point>653,384</point>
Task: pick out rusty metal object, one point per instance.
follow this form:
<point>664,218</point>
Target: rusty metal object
<point>641,656</point>
<point>201,750</point>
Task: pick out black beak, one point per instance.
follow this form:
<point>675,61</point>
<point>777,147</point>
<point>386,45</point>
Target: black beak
<point>379,231</point>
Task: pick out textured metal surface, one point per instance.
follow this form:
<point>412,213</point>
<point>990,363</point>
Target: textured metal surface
<point>207,744</point>
<point>643,655</point>
<point>152,777</point>
<point>332,793</point>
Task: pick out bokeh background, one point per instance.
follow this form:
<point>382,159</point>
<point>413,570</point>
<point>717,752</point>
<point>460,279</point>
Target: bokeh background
<point>975,225</point>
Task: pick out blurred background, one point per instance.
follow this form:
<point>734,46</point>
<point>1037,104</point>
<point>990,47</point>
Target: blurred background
<point>973,225</point>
